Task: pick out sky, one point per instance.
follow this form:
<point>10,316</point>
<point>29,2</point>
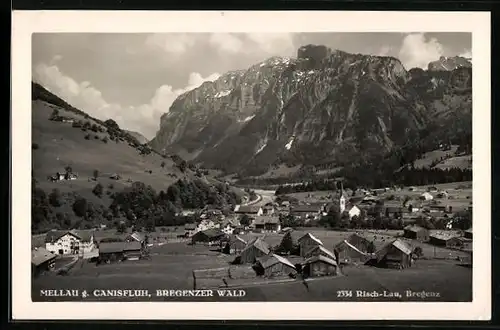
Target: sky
<point>134,78</point>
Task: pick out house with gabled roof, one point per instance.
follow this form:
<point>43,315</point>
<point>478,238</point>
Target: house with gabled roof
<point>64,242</point>
<point>319,265</point>
<point>235,245</point>
<point>42,260</point>
<point>273,265</point>
<point>255,249</point>
<point>307,242</point>
<point>250,210</point>
<point>416,232</point>
<point>320,250</point>
<point>395,254</point>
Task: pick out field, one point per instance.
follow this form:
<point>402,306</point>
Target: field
<point>171,266</point>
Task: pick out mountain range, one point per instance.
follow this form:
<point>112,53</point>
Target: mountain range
<point>323,108</point>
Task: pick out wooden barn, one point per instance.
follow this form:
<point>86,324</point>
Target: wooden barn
<point>235,245</point>
<point>319,265</point>
<point>307,242</point>
<point>446,239</point>
<point>111,251</point>
<point>132,250</point>
<point>273,265</point>
<point>396,254</point>
<point>256,249</point>
<point>418,233</point>
<point>42,261</point>
<point>320,250</point>
<point>354,248</point>
<point>210,236</point>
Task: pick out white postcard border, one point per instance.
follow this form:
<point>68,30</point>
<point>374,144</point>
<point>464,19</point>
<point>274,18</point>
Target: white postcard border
<point>27,22</point>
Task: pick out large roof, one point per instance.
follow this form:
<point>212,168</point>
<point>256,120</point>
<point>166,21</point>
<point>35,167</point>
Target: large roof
<point>82,235</point>
<point>266,219</point>
<point>248,209</point>
<point>41,255</point>
<point>322,249</point>
<point>320,258</point>
<point>260,245</point>
<point>272,259</point>
<point>212,232</point>
<point>317,240</point>
<point>137,236</point>
<point>414,228</point>
<point>307,208</point>
<point>397,243</point>
<point>131,246</point>
<point>111,247</point>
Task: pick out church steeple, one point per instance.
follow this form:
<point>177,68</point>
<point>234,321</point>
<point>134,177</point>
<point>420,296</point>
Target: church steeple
<point>340,197</point>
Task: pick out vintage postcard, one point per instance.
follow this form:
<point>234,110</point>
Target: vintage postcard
<point>251,165</point>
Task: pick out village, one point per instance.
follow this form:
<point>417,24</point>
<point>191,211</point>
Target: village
<point>276,239</point>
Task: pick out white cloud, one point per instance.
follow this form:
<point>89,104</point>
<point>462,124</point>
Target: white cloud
<point>417,51</point>
<point>171,43</point>
<point>226,42</point>
<point>273,43</point>
<point>467,53</point>
<point>384,51</point>
<point>144,118</point>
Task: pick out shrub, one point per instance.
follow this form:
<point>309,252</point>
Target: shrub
<point>80,207</point>
<point>96,137</point>
<point>98,190</point>
<point>55,198</point>
<point>105,139</point>
<point>87,137</point>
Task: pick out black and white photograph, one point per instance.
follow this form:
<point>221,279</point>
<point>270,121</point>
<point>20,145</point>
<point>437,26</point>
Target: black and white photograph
<point>250,165</point>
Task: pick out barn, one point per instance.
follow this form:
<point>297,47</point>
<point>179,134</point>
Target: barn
<point>319,265</point>
<point>396,254</point>
<point>307,242</point>
<point>42,260</point>
<point>256,249</point>
<point>320,250</point>
<point>111,251</point>
<point>355,247</point>
<point>235,245</point>
<point>468,233</point>
<point>416,232</point>
<point>273,265</point>
<point>210,236</point>
<point>447,239</point>
<point>132,250</point>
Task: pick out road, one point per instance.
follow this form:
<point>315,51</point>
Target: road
<point>266,196</point>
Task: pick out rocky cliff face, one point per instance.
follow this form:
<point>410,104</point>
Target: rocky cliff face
<point>325,106</point>
<point>450,63</point>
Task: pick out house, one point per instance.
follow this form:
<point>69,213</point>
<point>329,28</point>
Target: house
<point>307,212</point>
<point>190,229</point>
<point>320,250</point>
<point>352,211</point>
<point>446,239</point>
<point>65,242</point>
<point>395,212</point>
<point>205,224</point>
<point>416,232</point>
<point>307,242</point>
<point>432,189</point>
<point>115,176</point>
<point>268,210</point>
<point>111,251</point>
<point>255,249</point>
<point>442,194</point>
<point>426,196</point>
<point>273,265</point>
<point>250,210</point>
<point>267,224</point>
<point>319,265</point>
<point>285,204</point>
<point>396,254</point>
<point>210,236</point>
<point>211,214</point>
<point>235,245</point>
<point>468,233</point>
<point>355,247</point>
<point>136,237</point>
<point>42,261</point>
<point>132,250</point>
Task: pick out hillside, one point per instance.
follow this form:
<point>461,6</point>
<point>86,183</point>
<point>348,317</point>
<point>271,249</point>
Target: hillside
<point>138,136</point>
<point>96,152</point>
<point>325,109</point>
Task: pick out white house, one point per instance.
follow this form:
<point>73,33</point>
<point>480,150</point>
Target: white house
<point>426,196</point>
<point>70,242</point>
<point>205,224</point>
<point>353,211</point>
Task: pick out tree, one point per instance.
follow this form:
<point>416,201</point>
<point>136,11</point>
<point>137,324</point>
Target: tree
<point>121,228</point>
<point>55,198</point>
<point>245,220</point>
<point>98,190</point>
<point>418,252</point>
<point>163,164</point>
<point>286,243</point>
<point>95,174</point>
<point>112,124</point>
<point>80,207</point>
